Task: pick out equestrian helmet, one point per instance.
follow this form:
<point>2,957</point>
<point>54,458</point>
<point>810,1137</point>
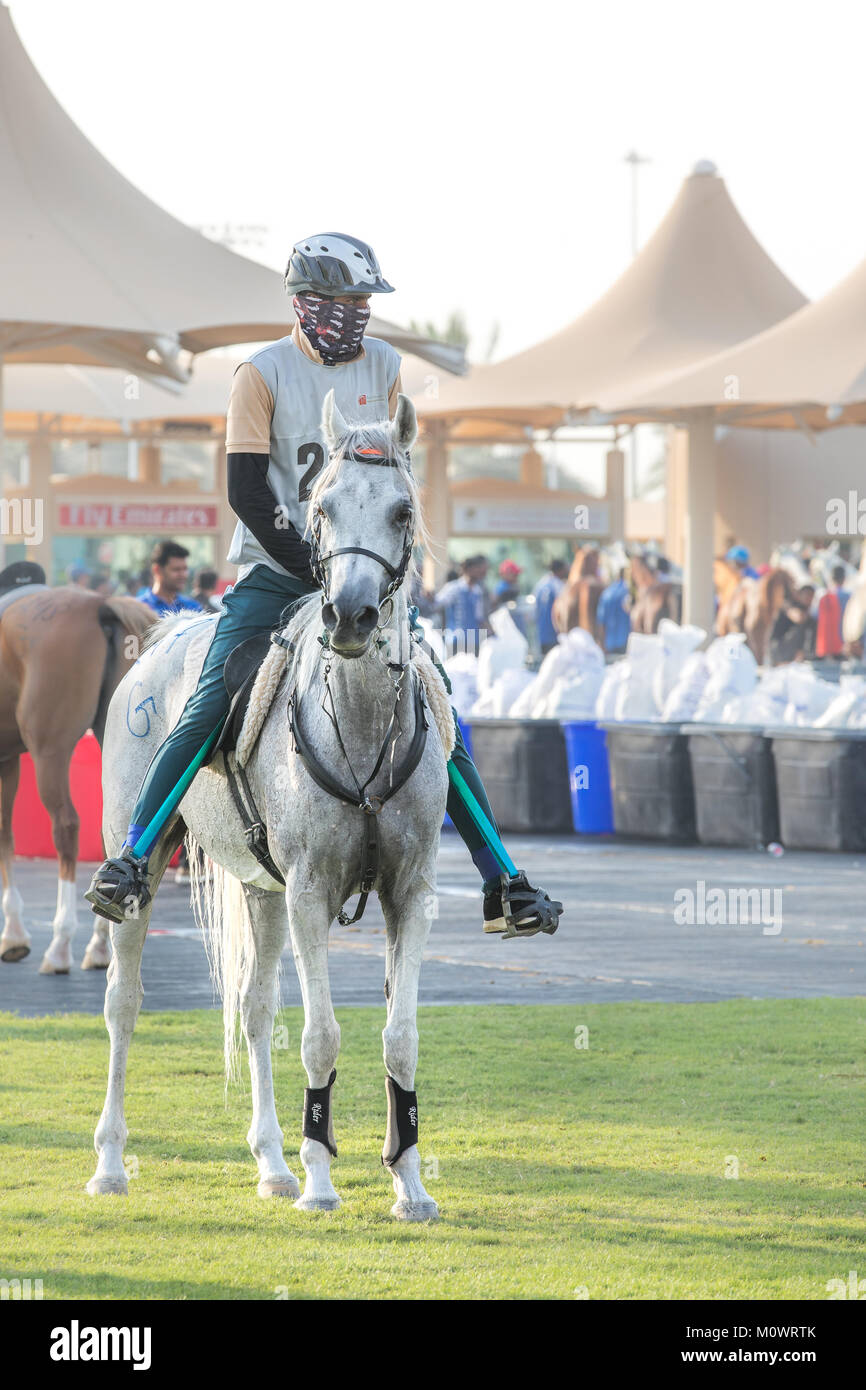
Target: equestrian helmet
<point>333,263</point>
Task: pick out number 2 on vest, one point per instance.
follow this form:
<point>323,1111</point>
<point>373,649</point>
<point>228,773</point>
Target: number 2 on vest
<point>316,453</point>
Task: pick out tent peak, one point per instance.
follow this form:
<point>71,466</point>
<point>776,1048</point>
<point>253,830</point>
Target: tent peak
<point>705,169</point>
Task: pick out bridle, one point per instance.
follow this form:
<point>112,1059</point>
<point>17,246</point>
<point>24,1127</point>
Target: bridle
<point>358,795</point>
<point>396,572</point>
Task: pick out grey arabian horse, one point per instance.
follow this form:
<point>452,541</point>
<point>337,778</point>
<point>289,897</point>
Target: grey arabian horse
<point>316,840</point>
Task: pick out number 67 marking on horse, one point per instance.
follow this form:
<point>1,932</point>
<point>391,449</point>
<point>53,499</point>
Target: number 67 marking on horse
<point>140,708</point>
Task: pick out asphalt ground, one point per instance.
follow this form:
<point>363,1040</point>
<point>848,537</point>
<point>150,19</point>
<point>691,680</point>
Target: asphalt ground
<point>619,938</point>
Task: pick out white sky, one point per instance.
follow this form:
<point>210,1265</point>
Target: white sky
<point>478,147</point>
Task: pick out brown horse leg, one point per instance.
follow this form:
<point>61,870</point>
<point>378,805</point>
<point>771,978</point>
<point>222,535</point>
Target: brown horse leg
<point>15,941</point>
<point>97,954</point>
<point>52,779</point>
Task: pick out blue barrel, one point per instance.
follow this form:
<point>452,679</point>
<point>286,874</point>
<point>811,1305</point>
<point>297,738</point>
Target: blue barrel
<point>588,777</point>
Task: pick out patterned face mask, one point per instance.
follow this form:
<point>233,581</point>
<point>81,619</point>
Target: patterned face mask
<point>334,330</point>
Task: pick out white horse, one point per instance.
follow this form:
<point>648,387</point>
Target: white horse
<point>315,840</point>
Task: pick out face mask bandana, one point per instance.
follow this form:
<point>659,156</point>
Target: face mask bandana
<point>334,330</point>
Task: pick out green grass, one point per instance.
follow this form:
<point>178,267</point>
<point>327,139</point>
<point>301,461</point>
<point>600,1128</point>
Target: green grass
<point>559,1169</point>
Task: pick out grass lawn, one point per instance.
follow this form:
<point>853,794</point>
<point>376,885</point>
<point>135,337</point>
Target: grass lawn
<point>563,1172</point>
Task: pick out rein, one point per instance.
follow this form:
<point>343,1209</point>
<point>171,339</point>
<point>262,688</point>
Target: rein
<point>359,796</point>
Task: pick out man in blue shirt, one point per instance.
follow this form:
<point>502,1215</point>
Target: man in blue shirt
<point>614,614</point>
<point>170,571</point>
<point>544,594</point>
<point>464,603</point>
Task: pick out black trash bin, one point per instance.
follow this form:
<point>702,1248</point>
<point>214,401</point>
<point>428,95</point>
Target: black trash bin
<point>651,780</point>
<point>524,768</point>
<point>821,777</point>
<point>735,784</point>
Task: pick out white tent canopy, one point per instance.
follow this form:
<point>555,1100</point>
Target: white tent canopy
<point>809,371</point>
<point>94,272</point>
<point>701,283</point>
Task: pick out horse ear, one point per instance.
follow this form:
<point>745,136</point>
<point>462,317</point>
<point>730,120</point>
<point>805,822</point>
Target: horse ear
<point>334,427</point>
<point>404,426</point>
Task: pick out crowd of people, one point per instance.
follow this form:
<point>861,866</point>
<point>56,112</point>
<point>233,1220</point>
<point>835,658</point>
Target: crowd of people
<point>807,627</point>
<point>463,605</point>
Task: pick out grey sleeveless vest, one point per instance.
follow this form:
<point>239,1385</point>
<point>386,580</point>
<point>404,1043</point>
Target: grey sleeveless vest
<point>298,450</point>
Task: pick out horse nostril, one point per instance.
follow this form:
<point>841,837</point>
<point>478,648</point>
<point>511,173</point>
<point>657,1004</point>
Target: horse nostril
<point>365,619</point>
<point>330,617</point>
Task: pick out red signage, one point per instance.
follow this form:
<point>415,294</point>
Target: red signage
<point>138,516</point>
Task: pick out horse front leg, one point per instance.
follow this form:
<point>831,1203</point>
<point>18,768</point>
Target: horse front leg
<point>408,927</point>
<point>259,1003</point>
<point>123,996</point>
<point>309,920</point>
<point>15,940</point>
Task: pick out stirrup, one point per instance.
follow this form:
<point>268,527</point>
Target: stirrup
<point>119,888</point>
<point>542,912</point>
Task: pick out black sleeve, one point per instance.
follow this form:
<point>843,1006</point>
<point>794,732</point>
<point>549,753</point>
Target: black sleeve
<point>251,499</point>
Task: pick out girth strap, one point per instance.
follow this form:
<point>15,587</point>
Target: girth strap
<point>255,833</point>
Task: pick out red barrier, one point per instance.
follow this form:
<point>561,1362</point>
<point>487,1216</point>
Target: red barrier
<point>31,824</point>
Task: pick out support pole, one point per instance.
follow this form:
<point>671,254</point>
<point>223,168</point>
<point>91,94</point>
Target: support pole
<point>700,547</point>
<point>436,505</point>
<point>615,493</point>
<point>39,452</point>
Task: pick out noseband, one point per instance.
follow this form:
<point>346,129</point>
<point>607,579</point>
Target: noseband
<point>397,572</point>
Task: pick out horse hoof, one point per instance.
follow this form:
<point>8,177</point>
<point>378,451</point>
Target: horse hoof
<point>46,968</point>
<point>57,959</point>
<point>280,1187</point>
<point>415,1211</point>
<point>14,942</point>
<point>108,1187</point>
<point>13,954</point>
<point>96,959</point>
<point>318,1203</point>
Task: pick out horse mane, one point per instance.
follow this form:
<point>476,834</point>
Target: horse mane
<point>161,627</point>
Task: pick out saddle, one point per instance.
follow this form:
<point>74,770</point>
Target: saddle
<point>240,669</point>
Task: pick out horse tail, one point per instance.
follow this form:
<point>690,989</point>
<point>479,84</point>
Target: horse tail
<point>134,617</point>
<point>221,912</point>
<point>118,615</point>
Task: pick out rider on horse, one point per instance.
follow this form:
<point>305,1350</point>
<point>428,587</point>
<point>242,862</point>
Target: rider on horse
<point>275,448</point>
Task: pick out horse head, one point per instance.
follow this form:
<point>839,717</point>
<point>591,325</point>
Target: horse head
<point>365,497</point>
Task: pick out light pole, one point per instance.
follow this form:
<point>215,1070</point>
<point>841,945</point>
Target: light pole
<point>635,160</point>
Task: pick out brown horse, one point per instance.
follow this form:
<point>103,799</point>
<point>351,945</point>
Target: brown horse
<point>657,597</point>
<point>751,605</point>
<point>62,653</point>
<point>576,604</point>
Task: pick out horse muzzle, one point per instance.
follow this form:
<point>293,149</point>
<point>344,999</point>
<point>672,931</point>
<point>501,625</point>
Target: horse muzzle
<point>351,625</point>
